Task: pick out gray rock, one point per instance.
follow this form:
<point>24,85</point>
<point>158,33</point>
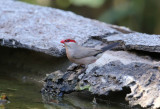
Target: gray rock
<point>137,41</point>
<point>114,71</point>
<point>42,28</point>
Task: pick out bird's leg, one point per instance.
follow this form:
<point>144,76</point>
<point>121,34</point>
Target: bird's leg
<point>78,68</point>
<point>82,66</point>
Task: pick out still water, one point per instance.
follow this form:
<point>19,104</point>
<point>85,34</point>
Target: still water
<point>26,95</point>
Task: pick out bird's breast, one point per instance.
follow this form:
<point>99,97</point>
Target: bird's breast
<point>69,54</point>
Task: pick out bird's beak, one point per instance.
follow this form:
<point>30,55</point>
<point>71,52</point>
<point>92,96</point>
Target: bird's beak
<point>62,41</point>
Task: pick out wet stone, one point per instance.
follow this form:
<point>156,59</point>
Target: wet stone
<point>139,75</point>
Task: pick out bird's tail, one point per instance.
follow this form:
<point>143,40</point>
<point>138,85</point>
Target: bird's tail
<point>110,46</point>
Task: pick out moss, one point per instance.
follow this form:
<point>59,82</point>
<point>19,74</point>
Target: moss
<point>86,87</point>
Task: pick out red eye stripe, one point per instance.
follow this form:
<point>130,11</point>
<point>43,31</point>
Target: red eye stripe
<point>73,41</point>
<point>67,40</point>
<point>70,40</point>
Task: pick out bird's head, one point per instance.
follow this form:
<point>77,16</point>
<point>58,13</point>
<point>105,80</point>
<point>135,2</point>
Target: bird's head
<point>68,41</point>
<point>3,97</point>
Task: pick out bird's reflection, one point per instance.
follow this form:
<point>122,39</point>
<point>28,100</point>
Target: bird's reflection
<point>3,100</point>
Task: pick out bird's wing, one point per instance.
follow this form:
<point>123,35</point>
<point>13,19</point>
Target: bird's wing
<point>83,52</point>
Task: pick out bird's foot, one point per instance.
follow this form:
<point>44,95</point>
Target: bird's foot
<point>78,68</point>
<point>82,66</point>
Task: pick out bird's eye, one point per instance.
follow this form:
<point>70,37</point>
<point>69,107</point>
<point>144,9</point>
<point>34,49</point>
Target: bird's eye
<point>67,40</point>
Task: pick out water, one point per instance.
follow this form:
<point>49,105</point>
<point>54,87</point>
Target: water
<point>26,95</point>
<point>22,95</point>
<point>19,65</point>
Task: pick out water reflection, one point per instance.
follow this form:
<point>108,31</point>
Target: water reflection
<point>26,95</point>
<point>51,102</point>
<point>3,101</point>
<point>80,101</point>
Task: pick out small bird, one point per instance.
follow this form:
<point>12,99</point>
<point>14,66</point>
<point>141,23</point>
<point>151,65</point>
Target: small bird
<point>3,99</point>
<point>83,55</point>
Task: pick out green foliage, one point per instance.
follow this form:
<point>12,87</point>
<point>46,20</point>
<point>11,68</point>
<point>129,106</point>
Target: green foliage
<point>86,87</point>
<point>116,13</point>
<point>63,3</point>
<point>89,3</point>
<point>30,1</point>
<point>139,15</point>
